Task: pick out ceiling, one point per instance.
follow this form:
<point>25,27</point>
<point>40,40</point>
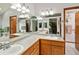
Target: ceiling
<point>4,7</point>
<point>38,6</point>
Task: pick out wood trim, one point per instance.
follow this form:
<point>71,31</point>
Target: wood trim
<point>69,8</point>
<point>39,46</point>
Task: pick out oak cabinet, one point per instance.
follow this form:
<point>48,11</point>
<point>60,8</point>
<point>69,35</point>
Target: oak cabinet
<point>57,50</point>
<point>52,47</point>
<point>33,50</point>
<point>46,47</point>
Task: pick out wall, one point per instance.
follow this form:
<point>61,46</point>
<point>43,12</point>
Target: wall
<point>0,21</point>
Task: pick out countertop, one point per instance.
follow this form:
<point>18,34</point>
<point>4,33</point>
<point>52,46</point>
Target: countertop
<point>26,40</point>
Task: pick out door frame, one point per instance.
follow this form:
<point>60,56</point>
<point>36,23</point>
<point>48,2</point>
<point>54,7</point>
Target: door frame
<point>10,22</point>
<point>68,8</point>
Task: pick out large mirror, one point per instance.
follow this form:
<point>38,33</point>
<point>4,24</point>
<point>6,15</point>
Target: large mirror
<point>22,24</point>
<point>19,22</point>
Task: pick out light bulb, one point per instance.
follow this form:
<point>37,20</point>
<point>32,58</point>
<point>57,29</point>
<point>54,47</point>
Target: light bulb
<point>27,10</point>
<point>23,8</point>
<point>13,7</point>
<point>51,12</point>
<point>42,13</point>
<point>18,5</point>
<point>23,11</point>
<point>18,9</point>
<point>46,13</point>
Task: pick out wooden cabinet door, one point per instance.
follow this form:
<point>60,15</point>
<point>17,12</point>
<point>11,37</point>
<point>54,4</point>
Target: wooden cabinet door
<point>45,47</point>
<point>77,30</point>
<point>13,24</point>
<point>45,50</point>
<point>33,50</point>
<point>28,51</point>
<point>57,50</point>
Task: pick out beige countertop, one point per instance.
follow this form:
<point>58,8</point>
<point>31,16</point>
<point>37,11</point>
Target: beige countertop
<point>26,41</point>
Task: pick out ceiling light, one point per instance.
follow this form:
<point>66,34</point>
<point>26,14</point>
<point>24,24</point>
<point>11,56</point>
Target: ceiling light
<point>51,12</point>
<point>13,7</point>
<point>27,10</point>
<point>42,13</point>
<point>18,5</point>
<point>47,13</point>
<point>23,8</point>
<point>18,9</point>
<point>23,11</point>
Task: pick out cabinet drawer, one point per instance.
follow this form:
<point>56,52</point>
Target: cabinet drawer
<point>58,43</point>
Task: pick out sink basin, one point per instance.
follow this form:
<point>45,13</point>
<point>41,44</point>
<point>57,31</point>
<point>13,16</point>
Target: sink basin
<point>13,50</point>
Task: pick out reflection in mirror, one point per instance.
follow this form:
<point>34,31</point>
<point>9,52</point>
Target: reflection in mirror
<point>34,25</point>
<point>55,26</point>
<point>40,25</point>
<point>22,24</point>
<point>45,25</point>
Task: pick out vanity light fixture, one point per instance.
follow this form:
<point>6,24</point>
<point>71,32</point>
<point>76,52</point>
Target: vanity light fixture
<point>51,12</point>
<point>47,12</point>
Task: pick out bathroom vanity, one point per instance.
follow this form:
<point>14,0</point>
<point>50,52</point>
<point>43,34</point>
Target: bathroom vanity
<point>35,44</point>
<point>46,47</point>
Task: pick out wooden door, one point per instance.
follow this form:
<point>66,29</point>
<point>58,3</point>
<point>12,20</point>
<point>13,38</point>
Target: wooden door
<point>77,30</point>
<point>13,24</point>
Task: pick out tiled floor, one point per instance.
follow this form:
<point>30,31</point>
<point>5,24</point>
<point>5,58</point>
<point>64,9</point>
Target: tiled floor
<point>70,49</point>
